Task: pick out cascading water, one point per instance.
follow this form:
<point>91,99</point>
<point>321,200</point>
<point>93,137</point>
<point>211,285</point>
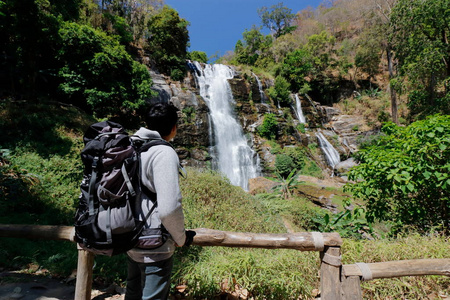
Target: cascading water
<point>261,91</point>
<point>298,110</point>
<point>331,154</point>
<point>232,154</point>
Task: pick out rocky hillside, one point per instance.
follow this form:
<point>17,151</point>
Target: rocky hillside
<point>343,131</point>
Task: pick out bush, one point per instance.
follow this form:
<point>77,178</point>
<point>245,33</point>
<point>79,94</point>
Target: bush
<point>280,92</point>
<point>284,164</point>
<point>406,175</point>
<point>269,127</point>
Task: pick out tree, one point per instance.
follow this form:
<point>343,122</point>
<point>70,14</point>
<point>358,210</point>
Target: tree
<point>405,175</point>
<point>420,37</point>
<point>280,92</point>
<point>99,74</point>
<point>168,41</point>
<point>248,50</point>
<point>199,56</point>
<point>296,66</point>
<point>368,53</point>
<point>277,19</point>
<point>28,34</point>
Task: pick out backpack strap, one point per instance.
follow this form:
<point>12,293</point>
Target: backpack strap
<point>152,196</point>
<point>92,186</point>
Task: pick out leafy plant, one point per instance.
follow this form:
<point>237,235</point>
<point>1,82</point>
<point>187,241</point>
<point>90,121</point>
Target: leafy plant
<point>280,92</point>
<point>404,175</point>
<point>287,184</point>
<point>269,127</point>
<point>349,223</point>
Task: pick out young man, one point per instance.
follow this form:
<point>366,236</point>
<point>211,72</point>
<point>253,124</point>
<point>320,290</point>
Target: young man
<point>149,271</point>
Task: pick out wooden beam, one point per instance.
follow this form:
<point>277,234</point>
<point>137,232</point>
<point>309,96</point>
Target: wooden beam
<point>43,232</point>
<point>302,241</point>
<point>413,267</point>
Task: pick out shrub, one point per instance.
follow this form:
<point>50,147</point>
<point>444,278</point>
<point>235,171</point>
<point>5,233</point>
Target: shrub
<point>269,127</point>
<point>280,92</point>
<point>405,175</point>
<point>284,164</point>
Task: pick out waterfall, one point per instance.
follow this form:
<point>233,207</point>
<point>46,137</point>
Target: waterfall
<point>298,110</point>
<point>331,154</point>
<point>231,152</point>
<point>261,91</point>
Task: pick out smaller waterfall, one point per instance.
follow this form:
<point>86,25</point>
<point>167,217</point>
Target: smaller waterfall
<point>331,154</point>
<point>298,110</point>
<point>261,91</point>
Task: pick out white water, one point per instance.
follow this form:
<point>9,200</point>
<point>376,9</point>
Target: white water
<point>261,91</point>
<point>232,154</point>
<point>298,110</point>
<point>331,154</point>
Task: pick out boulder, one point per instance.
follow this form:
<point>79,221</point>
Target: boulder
<point>344,166</point>
<point>261,185</point>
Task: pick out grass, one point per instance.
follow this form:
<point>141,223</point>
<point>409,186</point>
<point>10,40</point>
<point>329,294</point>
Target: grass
<point>39,185</point>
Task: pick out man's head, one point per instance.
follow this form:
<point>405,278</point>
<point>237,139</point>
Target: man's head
<point>163,118</point>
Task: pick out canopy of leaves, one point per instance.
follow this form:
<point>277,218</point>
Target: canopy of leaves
<point>280,92</point>
<point>405,175</point>
<point>98,70</point>
<point>277,18</point>
<point>168,41</point>
<point>420,37</point>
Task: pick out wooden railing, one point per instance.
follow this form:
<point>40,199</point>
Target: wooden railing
<point>337,281</point>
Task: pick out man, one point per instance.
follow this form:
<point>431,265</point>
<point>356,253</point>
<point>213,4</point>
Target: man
<point>149,270</point>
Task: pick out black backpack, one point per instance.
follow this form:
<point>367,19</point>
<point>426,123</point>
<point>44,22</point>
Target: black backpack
<point>107,219</point>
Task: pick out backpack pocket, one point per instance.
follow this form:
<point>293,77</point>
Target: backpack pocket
<point>118,219</point>
<point>152,238</point>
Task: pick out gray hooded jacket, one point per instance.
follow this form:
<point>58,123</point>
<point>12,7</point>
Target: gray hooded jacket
<point>159,171</point>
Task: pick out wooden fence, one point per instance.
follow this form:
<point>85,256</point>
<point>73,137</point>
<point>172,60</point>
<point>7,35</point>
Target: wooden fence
<point>337,281</point>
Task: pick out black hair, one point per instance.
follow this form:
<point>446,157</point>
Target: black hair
<point>161,117</point>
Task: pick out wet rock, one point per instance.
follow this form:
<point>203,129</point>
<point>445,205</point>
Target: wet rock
<point>344,166</point>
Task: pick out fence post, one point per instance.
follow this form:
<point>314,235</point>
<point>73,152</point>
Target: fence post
<point>83,287</point>
<point>330,273</point>
<point>351,288</point>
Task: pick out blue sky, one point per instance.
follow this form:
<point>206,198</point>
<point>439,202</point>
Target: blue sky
<point>216,25</point>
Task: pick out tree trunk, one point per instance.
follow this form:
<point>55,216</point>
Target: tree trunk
<point>394,110</point>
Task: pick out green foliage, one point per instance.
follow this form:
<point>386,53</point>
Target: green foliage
<point>287,183</point>
<point>417,33</point>
<point>168,41</point>
<point>406,175</point>
<point>269,127</point>
<point>280,92</point>
<point>349,223</point>
<point>121,28</point>
<point>199,56</point>
<point>277,19</point>
<point>296,66</point>
<point>254,43</point>
<point>99,73</point>
<point>284,165</point>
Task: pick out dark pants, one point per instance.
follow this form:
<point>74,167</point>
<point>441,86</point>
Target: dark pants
<point>148,281</point>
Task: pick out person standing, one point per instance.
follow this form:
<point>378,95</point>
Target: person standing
<point>149,270</point>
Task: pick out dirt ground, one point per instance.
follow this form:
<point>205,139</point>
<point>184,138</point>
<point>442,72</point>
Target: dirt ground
<point>20,286</point>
